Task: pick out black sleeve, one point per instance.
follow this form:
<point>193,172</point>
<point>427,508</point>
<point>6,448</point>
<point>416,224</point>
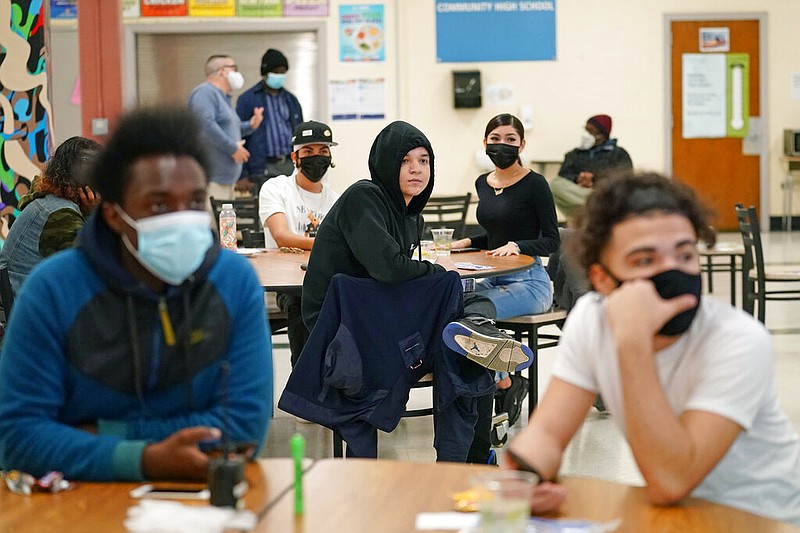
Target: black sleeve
<point>569,168</point>
<point>624,162</point>
<point>480,241</point>
<point>545,209</point>
<point>365,223</point>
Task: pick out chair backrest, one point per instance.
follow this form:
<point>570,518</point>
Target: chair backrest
<point>6,294</point>
<point>751,237</point>
<point>252,239</point>
<point>246,212</point>
<point>447,211</point>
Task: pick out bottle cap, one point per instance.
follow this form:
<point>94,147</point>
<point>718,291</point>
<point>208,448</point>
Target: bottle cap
<point>227,206</point>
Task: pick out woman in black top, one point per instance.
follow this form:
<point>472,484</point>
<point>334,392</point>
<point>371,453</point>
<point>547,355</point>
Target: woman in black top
<point>517,212</point>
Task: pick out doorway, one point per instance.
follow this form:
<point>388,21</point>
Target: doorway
<point>723,169</point>
<point>169,58</point>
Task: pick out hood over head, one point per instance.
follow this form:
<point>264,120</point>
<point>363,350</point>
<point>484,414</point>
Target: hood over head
<point>387,153</point>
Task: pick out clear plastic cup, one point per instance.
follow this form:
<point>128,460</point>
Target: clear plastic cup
<point>442,241</point>
<point>428,253</point>
<point>505,505</point>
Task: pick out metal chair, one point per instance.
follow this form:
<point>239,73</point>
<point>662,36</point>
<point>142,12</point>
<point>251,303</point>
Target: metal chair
<point>759,275</point>
<point>529,325</point>
<point>246,212</point>
<point>449,211</point>
<point>6,293</point>
<point>251,239</point>
<point>425,381</point>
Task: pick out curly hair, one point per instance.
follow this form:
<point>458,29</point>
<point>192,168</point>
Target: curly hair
<point>144,132</point>
<point>65,171</point>
<point>618,198</point>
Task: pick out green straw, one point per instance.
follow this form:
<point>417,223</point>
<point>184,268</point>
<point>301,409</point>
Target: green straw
<point>297,446</point>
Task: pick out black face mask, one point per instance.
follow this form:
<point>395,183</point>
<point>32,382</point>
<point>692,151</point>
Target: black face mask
<point>314,167</point>
<point>502,155</point>
<point>669,284</point>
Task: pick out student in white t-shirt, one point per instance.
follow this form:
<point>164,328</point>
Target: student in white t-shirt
<point>292,208</point>
<point>689,380</point>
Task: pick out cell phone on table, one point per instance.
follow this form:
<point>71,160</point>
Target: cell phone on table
<point>170,492</point>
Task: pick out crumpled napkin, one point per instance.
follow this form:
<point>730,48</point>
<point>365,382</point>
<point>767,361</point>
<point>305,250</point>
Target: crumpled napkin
<point>154,516</point>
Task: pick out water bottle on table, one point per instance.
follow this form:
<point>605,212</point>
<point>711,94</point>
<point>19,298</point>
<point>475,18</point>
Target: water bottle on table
<point>227,227</point>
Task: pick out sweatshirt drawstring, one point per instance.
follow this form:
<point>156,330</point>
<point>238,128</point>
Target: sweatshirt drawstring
<point>133,335</point>
<point>185,338</point>
<point>166,323</point>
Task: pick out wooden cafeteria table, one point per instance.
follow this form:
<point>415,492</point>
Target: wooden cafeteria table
<point>91,507</point>
<point>365,496</point>
<point>280,271</point>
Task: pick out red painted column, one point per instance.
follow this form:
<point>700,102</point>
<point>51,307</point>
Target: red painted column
<point>100,46</point>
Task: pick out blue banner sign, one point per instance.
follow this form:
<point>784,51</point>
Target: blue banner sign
<point>495,30</point>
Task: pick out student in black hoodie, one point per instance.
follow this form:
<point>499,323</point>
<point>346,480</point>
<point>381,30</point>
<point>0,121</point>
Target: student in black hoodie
<point>374,230</point>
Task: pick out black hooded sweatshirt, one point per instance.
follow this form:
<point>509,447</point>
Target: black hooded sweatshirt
<point>370,232</point>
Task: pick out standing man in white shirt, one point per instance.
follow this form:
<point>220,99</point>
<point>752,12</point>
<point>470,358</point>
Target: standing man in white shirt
<point>292,208</point>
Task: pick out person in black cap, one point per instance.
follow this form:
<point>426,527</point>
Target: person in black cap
<point>596,156</point>
<point>291,207</point>
<point>270,144</point>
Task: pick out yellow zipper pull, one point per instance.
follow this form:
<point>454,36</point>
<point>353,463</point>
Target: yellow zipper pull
<point>166,324</point>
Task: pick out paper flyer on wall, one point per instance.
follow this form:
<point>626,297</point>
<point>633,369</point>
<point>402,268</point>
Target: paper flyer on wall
<point>130,9</point>
<point>357,99</point>
<point>164,8</point>
<point>63,9</point>
<point>372,98</point>
<point>305,8</point>
<point>343,98</point>
<point>260,8</point>
<point>212,8</point>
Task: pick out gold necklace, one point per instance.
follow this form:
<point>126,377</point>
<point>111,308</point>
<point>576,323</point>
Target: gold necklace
<point>499,190</point>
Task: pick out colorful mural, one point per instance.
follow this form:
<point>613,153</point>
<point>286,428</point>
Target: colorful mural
<point>26,117</point>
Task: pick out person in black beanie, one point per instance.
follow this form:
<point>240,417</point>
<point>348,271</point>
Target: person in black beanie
<point>270,145</point>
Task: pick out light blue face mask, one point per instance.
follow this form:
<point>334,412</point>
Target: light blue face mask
<point>275,81</point>
<point>171,246</point>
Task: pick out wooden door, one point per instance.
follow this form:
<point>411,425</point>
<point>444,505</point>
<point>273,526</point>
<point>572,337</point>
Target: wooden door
<point>716,167</point>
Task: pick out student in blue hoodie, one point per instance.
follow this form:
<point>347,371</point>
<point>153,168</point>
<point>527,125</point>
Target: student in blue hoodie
<point>126,352</point>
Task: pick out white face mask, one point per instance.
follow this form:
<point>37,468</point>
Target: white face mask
<point>235,80</point>
<point>587,140</point>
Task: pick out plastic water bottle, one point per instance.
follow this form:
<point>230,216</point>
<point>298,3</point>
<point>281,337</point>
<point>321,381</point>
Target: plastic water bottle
<point>227,227</point>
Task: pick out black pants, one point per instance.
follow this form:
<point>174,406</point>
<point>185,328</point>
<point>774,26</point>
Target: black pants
<point>479,305</point>
<point>481,442</point>
<point>296,330</point>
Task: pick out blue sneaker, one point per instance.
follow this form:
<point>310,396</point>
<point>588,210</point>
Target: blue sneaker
<point>478,339</point>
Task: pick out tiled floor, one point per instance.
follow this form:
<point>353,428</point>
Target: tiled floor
<point>598,450</point>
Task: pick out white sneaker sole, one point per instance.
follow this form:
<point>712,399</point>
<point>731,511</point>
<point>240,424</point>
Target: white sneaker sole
<point>502,355</point>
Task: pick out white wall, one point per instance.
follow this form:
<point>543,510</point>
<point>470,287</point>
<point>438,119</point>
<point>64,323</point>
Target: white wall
<point>610,59</point>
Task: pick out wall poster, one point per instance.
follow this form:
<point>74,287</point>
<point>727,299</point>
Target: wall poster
<point>715,94</point>
<point>361,33</point>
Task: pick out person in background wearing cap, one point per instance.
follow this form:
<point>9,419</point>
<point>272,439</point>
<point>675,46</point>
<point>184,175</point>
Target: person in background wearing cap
<point>223,131</point>
<point>270,144</point>
<point>597,156</point>
<point>291,208</point>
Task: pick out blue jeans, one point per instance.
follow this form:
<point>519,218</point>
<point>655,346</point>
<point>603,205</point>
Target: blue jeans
<point>523,293</point>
